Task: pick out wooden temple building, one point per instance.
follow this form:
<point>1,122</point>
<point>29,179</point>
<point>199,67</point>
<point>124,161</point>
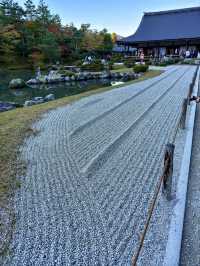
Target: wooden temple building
<point>164,33</point>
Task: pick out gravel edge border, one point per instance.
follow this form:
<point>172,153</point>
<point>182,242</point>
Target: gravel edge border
<point>173,248</point>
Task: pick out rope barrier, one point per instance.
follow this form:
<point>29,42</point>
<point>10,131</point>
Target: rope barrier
<point>166,177</point>
<point>150,213</point>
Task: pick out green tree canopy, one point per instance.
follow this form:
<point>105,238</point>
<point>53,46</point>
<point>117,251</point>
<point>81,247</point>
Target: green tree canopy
<point>34,33</point>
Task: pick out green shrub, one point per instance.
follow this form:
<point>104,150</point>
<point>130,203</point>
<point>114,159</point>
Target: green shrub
<point>116,67</point>
<point>176,60</point>
<point>110,65</point>
<point>78,63</point>
<point>95,66</point>
<point>170,62</point>
<point>117,58</point>
<point>163,64</point>
<point>148,62</point>
<point>188,61</point>
<point>140,68</point>
<point>129,62</point>
<point>66,73</point>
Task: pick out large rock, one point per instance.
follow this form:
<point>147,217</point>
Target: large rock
<point>49,97</point>
<point>105,75</point>
<point>4,106</point>
<point>17,83</point>
<point>80,77</point>
<point>28,103</point>
<point>92,76</point>
<point>33,82</point>
<point>87,75</point>
<point>97,76</point>
<point>38,100</point>
<point>126,77</point>
<point>67,79</point>
<point>35,100</point>
<point>115,75</point>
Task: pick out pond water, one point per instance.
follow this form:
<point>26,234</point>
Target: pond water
<point>59,90</point>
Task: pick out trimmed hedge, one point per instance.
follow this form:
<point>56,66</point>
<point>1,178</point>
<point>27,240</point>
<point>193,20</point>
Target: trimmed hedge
<point>169,61</point>
<point>117,67</point>
<point>66,73</point>
<point>95,66</point>
<point>129,63</point>
<point>140,68</point>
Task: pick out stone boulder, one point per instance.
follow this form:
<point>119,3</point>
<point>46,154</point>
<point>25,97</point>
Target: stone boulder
<point>33,82</point>
<point>4,106</point>
<point>105,75</point>
<point>127,77</point>
<point>81,77</point>
<point>88,76</point>
<point>97,75</point>
<point>35,100</point>
<point>17,84</point>
<point>38,100</point>
<point>49,97</point>
<point>67,79</point>
<point>28,103</point>
<point>115,75</point>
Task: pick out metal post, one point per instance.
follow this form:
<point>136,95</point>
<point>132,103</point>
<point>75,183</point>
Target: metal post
<point>184,112</point>
<point>190,91</point>
<point>168,170</point>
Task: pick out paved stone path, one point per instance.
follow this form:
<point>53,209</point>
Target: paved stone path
<point>190,255</point>
<point>92,171</point>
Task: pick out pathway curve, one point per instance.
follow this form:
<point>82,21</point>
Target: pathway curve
<point>91,172</point>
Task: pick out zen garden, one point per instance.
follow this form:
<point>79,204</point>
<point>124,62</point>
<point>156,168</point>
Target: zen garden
<point>98,137</point>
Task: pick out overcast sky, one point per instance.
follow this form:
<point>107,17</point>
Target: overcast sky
<point>120,16</point>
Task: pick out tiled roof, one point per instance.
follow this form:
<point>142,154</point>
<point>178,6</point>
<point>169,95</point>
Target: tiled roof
<point>167,25</point>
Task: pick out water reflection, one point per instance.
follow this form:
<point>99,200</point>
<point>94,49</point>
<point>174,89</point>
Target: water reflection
<point>59,90</point>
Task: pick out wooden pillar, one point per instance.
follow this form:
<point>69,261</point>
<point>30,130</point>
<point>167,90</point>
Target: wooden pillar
<point>186,45</point>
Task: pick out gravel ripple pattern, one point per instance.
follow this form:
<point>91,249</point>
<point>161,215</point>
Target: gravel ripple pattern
<point>92,171</point>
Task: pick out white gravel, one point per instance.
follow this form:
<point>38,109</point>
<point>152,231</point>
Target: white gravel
<point>91,173</point>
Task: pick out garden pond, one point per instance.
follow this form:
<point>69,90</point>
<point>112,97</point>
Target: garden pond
<point>62,89</point>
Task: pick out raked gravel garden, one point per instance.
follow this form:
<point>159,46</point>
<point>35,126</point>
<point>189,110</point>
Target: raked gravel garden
<point>91,172</point>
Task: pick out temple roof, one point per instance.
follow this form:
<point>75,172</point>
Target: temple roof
<point>167,25</point>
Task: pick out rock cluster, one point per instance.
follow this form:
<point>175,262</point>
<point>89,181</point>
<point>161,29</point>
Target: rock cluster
<point>38,100</point>
<point>56,77</point>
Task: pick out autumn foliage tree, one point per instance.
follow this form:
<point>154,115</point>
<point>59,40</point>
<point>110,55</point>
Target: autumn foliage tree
<point>34,34</point>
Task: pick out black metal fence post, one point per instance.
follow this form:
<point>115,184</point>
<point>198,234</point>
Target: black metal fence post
<point>184,113</point>
<point>168,170</point>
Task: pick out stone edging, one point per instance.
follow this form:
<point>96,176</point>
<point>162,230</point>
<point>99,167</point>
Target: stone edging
<point>173,248</point>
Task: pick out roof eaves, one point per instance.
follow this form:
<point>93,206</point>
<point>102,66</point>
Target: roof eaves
<point>154,41</point>
<point>183,10</point>
<point>172,11</point>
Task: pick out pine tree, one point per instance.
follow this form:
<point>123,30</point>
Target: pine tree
<point>56,20</point>
<point>43,14</point>
<point>11,12</point>
<point>49,48</point>
<point>30,10</point>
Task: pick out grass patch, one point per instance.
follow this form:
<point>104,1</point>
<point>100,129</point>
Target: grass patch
<point>15,125</point>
